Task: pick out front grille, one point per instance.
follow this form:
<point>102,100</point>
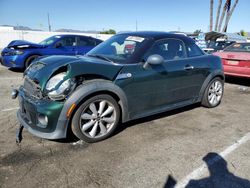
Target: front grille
<point>31,88</point>
<point>28,112</point>
<point>34,67</point>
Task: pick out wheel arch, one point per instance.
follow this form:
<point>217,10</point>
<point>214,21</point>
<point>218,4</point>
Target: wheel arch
<point>28,56</point>
<point>89,89</point>
<point>211,76</point>
<point>101,92</point>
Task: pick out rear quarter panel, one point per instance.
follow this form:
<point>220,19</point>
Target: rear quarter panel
<point>215,69</point>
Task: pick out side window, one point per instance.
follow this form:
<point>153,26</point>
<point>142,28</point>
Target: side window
<point>193,50</point>
<point>92,42</point>
<point>169,49</point>
<point>82,41</point>
<point>85,41</point>
<point>68,41</point>
<point>97,41</point>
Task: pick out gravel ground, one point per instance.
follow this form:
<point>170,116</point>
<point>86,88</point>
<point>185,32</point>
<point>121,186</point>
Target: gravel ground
<point>151,152</point>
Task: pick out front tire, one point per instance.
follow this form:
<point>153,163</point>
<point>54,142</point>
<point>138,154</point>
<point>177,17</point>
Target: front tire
<point>29,60</point>
<point>213,93</point>
<point>96,119</point>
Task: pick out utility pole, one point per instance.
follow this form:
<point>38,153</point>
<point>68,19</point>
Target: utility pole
<point>49,23</point>
<point>229,14</point>
<point>211,14</point>
<point>136,25</point>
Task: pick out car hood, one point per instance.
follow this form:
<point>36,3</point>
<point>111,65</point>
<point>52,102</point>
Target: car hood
<point>244,56</point>
<point>24,44</point>
<point>44,68</point>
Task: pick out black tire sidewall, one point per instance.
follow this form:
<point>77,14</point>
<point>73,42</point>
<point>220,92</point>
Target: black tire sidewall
<point>205,101</point>
<point>75,125</point>
<point>29,60</point>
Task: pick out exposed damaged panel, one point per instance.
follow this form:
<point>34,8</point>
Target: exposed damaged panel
<point>32,88</point>
<point>73,65</point>
<point>18,44</point>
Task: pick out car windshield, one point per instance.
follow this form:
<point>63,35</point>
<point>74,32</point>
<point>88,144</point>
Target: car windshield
<point>50,40</point>
<point>211,44</point>
<point>119,48</point>
<point>219,44</point>
<point>238,47</point>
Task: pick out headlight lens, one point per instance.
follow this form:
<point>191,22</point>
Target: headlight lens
<point>16,52</point>
<point>58,88</point>
<point>55,81</point>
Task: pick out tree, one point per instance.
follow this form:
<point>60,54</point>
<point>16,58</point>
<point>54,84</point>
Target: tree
<point>222,15</point>
<point>110,31</point>
<point>217,15</point>
<point>211,14</point>
<point>243,33</point>
<point>229,14</point>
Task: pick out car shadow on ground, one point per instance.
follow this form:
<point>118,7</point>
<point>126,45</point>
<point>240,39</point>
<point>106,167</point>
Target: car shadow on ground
<point>71,138</point>
<point>238,80</point>
<point>154,117</point>
<point>16,70</point>
<point>219,175</point>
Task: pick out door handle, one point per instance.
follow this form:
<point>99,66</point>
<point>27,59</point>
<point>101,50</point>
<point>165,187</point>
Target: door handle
<point>188,67</point>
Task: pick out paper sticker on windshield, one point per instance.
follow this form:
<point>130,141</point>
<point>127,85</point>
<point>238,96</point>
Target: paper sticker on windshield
<point>136,39</point>
<point>237,45</point>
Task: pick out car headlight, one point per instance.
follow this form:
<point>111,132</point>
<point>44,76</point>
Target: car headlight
<point>16,52</point>
<point>58,88</point>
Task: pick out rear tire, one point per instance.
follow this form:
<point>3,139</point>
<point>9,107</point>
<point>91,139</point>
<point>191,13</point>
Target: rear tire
<point>213,93</point>
<point>29,60</point>
<point>96,118</point>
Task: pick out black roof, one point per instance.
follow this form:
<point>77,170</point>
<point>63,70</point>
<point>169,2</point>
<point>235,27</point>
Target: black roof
<point>157,35</point>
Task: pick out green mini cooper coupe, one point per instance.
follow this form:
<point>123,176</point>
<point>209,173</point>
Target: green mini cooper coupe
<point>129,76</point>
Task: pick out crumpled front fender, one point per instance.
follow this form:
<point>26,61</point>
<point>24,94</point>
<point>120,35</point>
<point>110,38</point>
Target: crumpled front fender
<point>90,87</point>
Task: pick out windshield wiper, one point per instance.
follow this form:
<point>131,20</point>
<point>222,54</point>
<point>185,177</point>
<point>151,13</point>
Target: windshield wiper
<point>100,57</point>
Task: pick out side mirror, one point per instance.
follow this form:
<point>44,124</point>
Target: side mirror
<point>58,45</point>
<point>153,60</point>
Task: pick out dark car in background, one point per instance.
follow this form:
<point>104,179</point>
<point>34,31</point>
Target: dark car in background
<point>215,46</point>
<point>20,53</point>
<point>129,76</point>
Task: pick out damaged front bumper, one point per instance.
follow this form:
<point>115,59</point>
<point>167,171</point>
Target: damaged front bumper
<point>41,117</point>
<point>19,135</point>
<point>12,61</point>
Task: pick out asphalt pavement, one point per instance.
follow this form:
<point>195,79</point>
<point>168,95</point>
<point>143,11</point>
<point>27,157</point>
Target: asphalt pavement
<point>189,147</point>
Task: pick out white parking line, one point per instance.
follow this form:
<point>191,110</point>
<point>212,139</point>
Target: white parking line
<point>9,109</point>
<point>199,171</point>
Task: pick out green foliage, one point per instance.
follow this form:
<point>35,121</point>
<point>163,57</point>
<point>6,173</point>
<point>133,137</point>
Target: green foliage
<point>110,31</point>
<point>243,33</point>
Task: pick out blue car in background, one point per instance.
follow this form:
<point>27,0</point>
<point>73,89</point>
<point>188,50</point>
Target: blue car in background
<point>20,53</point>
